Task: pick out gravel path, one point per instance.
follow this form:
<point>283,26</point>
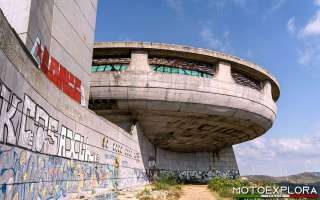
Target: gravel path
<point>196,192</point>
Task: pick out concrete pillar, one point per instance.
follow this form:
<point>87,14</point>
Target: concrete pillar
<point>223,72</point>
<point>224,159</point>
<point>267,89</point>
<point>139,61</point>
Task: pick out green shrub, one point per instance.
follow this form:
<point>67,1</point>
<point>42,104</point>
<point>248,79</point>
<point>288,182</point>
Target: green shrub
<point>164,182</point>
<point>224,187</point>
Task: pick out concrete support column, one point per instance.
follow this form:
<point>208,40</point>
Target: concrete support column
<point>139,61</point>
<point>223,72</point>
<point>267,89</point>
<point>223,159</point>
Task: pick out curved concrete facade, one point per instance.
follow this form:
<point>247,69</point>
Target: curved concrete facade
<point>180,112</point>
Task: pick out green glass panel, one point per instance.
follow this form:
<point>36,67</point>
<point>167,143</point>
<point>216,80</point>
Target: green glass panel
<point>181,71</point>
<point>117,67</point>
<point>166,69</point>
<point>124,67</point>
<point>194,73</point>
<point>100,68</point>
<point>160,69</point>
<point>188,72</point>
<point>94,68</point>
<point>108,68</point>
<point>175,70</point>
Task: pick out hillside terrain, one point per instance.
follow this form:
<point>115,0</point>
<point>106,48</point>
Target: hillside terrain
<point>302,178</point>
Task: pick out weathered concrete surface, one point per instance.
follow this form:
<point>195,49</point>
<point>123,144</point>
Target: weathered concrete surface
<point>179,112</point>
<point>183,113</point>
<point>102,49</point>
<point>50,146</point>
<point>186,124</point>
<point>186,167</point>
<point>65,28</point>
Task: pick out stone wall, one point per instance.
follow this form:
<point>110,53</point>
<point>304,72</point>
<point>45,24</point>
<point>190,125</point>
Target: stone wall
<point>50,146</point>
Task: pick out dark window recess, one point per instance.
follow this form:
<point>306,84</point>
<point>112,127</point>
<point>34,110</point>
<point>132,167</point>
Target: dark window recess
<point>110,64</point>
<point>245,80</point>
<point>182,66</point>
<point>175,70</point>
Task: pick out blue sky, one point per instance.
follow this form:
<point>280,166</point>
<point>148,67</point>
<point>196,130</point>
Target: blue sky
<point>283,36</point>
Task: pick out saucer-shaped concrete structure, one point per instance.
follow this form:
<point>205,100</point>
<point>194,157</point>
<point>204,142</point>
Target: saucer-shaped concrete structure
<point>186,99</point>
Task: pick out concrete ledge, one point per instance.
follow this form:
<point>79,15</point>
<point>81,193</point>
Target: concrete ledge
<point>180,88</point>
<point>188,52</point>
<point>175,108</point>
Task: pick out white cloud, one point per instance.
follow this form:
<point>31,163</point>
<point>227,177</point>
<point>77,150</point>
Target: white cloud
<point>313,26</point>
<point>276,5</point>
<point>309,55</point>
<point>214,42</point>
<point>275,154</point>
<point>291,26</point>
<point>208,37</point>
<point>175,5</point>
<point>309,42</point>
<point>317,2</point>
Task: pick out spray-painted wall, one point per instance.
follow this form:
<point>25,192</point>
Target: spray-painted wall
<point>50,146</point>
<point>65,28</point>
<point>186,167</point>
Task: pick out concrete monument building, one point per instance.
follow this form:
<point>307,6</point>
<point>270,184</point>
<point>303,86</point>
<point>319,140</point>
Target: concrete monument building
<point>192,104</point>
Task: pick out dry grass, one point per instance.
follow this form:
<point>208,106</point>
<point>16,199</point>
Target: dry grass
<point>165,188</point>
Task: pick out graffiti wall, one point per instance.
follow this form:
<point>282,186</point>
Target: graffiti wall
<point>27,175</point>
<point>53,148</point>
<point>193,167</point>
<point>199,176</point>
<point>50,146</point>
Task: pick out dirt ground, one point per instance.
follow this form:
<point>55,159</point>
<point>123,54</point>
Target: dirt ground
<point>196,192</point>
<point>189,192</point>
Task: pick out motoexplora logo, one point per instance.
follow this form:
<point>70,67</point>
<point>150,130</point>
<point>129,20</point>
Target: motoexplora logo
<point>295,192</point>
